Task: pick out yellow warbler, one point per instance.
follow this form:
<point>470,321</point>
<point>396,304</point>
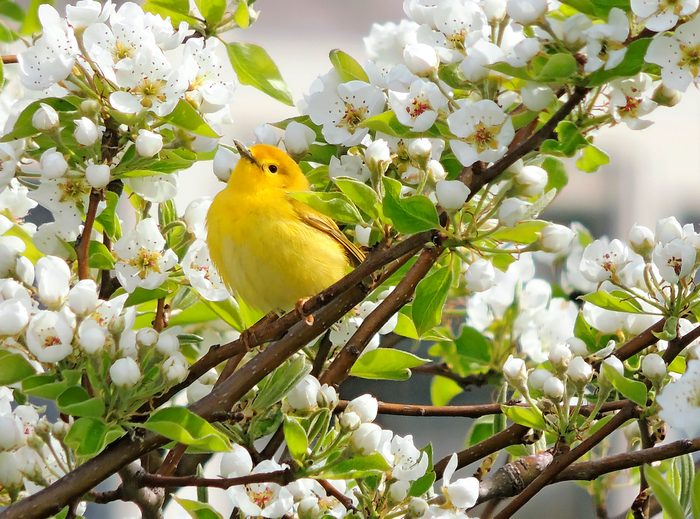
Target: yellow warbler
<point>270,249</point>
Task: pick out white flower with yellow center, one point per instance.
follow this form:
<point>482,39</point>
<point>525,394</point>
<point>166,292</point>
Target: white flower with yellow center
<point>678,55</point>
<point>201,274</point>
<point>207,87</point>
<point>680,402</point>
<point>484,132</point>
<point>66,198</point>
<point>49,335</point>
<point>606,41</point>
<point>419,107</point>
<point>142,260</point>
<point>662,15</point>
<point>456,25</point>
<point>262,499</point>
<point>630,101</point>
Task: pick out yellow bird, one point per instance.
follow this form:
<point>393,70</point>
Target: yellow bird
<point>271,250</point>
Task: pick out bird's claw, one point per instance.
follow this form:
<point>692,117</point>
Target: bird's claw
<point>299,307</point>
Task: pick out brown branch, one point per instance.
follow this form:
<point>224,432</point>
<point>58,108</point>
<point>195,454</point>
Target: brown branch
<point>324,348</point>
<point>83,245</point>
<point>7,59</point>
<point>332,491</point>
<point>160,321</point>
<point>565,459</point>
<point>402,294</point>
<point>640,342</point>
<point>443,370</point>
<point>677,345</point>
<point>640,506</point>
<point>281,477</point>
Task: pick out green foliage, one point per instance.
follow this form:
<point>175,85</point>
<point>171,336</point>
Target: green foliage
<point>526,416</point>
<point>443,390</point>
<point>664,493</point>
<point>386,364</point>
<point>632,389</point>
<point>429,301</point>
<point>473,345</point>
<point>183,426</point>
<point>408,215</point>
<point>363,196</point>
<point>356,467</point>
<point>295,438</point>
<point>213,10</point>
<point>617,301</point>
<point>347,68</point>
<point>631,64</point>
<point>254,67</point>
<point>197,509</point>
<point>88,436</point>
<point>186,117</point>
<point>336,205</point>
<point>23,126</point>
<point>591,159</point>
<point>275,386</point>
<point>13,368</point>
<point>177,10</point>
<point>76,401</point>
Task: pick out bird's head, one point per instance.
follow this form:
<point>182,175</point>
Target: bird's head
<point>266,167</point>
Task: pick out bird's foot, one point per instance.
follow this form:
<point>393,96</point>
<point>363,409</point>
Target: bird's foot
<point>299,307</point>
<point>248,337</point>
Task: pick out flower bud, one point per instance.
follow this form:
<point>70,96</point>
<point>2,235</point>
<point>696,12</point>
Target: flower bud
<point>579,371</point>
<point>349,421</point>
<point>297,138</point>
<point>494,10</point>
<point>304,396</point>
<point>13,317</point>
<point>308,508</point>
<point>667,230</point>
<point>364,406</point>
<point>398,491</point>
<point>10,474</point>
<point>362,234</point>
<point>366,438</point>
<point>147,337</point>
<point>97,175</point>
<point>512,211</point>
<point>82,298</point>
<point>91,336</point>
<point>148,143</point>
<point>463,493</point>
<point>236,463</point>
<point>125,372</point>
<point>553,388</point>
<point>654,368</point>
<point>615,364</point>
<point>10,434</point>
<point>556,238</point>
<point>421,58</point>
<point>480,276</point>
<point>436,171</point>
<point>451,194</point>
<point>665,96</point>
<point>420,149</point>
<point>267,134</point>
<point>45,119</point>
<point>531,180</point>
<point>168,343</point>
<point>560,356</point>
<point>327,397</point>
<point>224,162</point>
<point>86,132</point>
<point>537,97</point>
<point>378,157</point>
<point>641,239</point>
<point>90,107</point>
<point>515,372</point>
<point>53,277</point>
<point>175,368</point>
<point>24,270</point>
<point>526,12</point>
<point>577,346</point>
<point>53,164</point>
<point>537,378</point>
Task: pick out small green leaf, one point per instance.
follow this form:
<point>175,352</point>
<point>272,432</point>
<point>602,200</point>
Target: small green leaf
<point>347,68</point>
<point>143,295</point>
<point>431,294</point>
<point>295,437</point>
<point>481,430</point>
<point>11,10</point>
<point>177,10</point>
<point>242,15</point>
<point>13,368</point>
<point>44,386</point>
<point>526,416</point>
<point>76,401</point>
<point>510,70</point>
<point>696,496</point>
<point>632,389</point>
<point>276,385</point>
<point>664,493</point>
<point>183,426</point>
<point>363,196</point>
<point>88,436</point>
<point>408,215</point>
<point>617,301</point>
<point>557,67</point>
<point>670,330</point>
<point>591,159</point>
<point>386,364</point>
<point>685,468</point>
<point>443,390</point>
<point>31,23</point>
<point>556,173</point>
<point>525,232</point>
<point>23,126</point>
<point>212,10</point>
<point>569,139</point>
<point>197,509</point>
<point>333,204</point>
<point>356,467</point>
<point>254,67</point>
<point>421,485</point>
<point>186,117</point>
<point>99,256</point>
<point>108,216</point>
<point>473,345</point>
<point>405,326</point>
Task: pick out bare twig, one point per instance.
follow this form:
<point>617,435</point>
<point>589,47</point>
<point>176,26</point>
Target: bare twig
<point>443,370</point>
<point>160,321</point>
<point>281,477</point>
<point>83,245</point>
<point>9,58</point>
<point>332,491</point>
<point>639,342</point>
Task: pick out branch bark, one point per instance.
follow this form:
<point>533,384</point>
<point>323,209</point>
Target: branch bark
<point>83,245</point>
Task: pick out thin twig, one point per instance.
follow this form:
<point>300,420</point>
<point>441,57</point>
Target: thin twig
<point>443,370</point>
<point>83,245</point>
<point>332,491</point>
<point>160,321</point>
<point>9,58</point>
<point>281,477</point>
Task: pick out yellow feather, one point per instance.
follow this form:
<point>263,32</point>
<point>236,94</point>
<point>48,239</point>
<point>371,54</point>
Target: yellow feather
<point>267,247</point>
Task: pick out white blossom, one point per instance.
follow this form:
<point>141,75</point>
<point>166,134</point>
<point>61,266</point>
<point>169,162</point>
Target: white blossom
<point>45,118</point>
<point>125,372</point>
<point>304,395</point>
<point>553,388</point>
<point>224,162</point>
<point>148,143</point>
<point>82,298</point>
<point>677,55</point>
<point>480,275</point>
<point>512,211</point>
<point>97,175</point>
<point>49,336</point>
<point>262,499</point>
<point>421,59</point>
<point>630,100</point>
<point>451,194</point>
<point>526,12</point>
<point>364,406</point>
<point>53,164</point>
<point>202,275</point>
<point>603,258</point>
<point>462,493</point>
<point>675,259</point>
<point>605,47</point>
<point>484,131</point>
<point>86,132</point>
<point>297,138</point>
<point>661,15</point>
<point>53,278</point>
<point>680,401</point>
<point>350,166</point>
<point>419,107</point>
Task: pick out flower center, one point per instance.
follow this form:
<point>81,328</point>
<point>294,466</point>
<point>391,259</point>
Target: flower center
<point>418,106</point>
<point>456,40</point>
<point>145,261</point>
<point>150,90</point>
<point>676,264</point>
<point>73,190</point>
<point>353,116</point>
<point>608,261</point>
<point>261,497</point>
<point>484,137</point>
<point>690,58</point>
<point>122,50</point>
<point>631,106</point>
<point>51,340</point>
<point>673,5</point>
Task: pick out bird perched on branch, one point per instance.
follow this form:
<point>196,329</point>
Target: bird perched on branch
<point>270,249</point>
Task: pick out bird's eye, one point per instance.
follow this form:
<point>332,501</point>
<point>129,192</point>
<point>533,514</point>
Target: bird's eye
<point>272,168</point>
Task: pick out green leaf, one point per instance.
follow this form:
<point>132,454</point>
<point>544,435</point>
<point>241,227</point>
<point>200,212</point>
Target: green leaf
<point>242,15</point>
<point>569,139</point>
<point>254,67</point>
<point>591,159</point>
<point>405,326</point>
<point>387,122</point>
<point>356,467</point>
<point>510,70</point>
<point>481,430</point>
<point>408,215</point>
<point>473,345</point>
<point>616,301</point>
<point>99,256</point>
<point>557,67</point>
<point>186,117</point>
<point>31,23</point>
<point>632,389</point>
<point>23,125</point>
<point>525,232</point>
<point>11,10</point>
<point>685,467</point>
<point>295,437</point>
<point>177,10</point>
<point>144,295</point>
<point>557,177</point>
<point>664,493</point>
<point>386,364</point>
<point>631,64</point>
<point>670,330</point>
<point>108,216</point>
<point>363,196</point>
<point>526,416</point>
<point>88,436</point>
<point>197,509</point>
<point>421,485</point>
<point>695,502</point>
<point>13,368</point>
<point>44,386</point>
<point>276,385</point>
<point>212,10</point>
<point>333,204</point>
<point>347,67</point>
<point>443,390</point>
<point>76,401</point>
<point>431,294</point>
<point>183,426</point>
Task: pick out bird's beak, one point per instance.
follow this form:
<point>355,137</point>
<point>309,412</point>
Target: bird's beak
<point>245,152</point>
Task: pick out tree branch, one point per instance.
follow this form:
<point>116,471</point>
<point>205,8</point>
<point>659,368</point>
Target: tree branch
<point>443,370</point>
<point>83,245</point>
<point>9,58</point>
<point>281,477</point>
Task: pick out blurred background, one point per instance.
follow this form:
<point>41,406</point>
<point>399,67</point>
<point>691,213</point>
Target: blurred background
<point>652,173</point>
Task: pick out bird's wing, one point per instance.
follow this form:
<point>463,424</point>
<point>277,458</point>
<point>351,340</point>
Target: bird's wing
<point>327,226</point>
